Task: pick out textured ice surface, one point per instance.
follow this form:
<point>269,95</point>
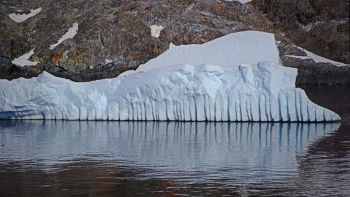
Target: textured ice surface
<point>219,83</point>
<point>263,92</point>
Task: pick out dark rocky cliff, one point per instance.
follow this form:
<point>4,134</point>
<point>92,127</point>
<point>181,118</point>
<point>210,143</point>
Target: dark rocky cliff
<point>321,26</point>
<point>115,35</point>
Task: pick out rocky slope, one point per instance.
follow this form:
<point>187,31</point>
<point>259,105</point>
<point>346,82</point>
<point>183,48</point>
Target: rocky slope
<point>115,35</point>
<point>321,26</point>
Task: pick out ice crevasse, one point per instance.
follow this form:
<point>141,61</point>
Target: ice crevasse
<point>237,77</point>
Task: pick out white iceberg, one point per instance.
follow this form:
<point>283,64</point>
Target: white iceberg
<point>238,77</point>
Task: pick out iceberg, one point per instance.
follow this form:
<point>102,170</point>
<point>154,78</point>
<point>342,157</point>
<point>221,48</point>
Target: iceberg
<point>237,77</point>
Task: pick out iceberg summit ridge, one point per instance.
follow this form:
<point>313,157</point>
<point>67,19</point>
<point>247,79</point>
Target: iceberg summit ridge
<point>177,85</point>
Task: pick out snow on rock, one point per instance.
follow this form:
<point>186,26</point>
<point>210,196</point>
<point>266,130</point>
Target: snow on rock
<point>69,34</point>
<point>155,30</point>
<point>309,26</point>
<point>24,60</point>
<point>241,1</point>
<point>107,61</point>
<point>229,87</point>
<point>319,59</point>
<point>19,18</point>
<point>316,58</point>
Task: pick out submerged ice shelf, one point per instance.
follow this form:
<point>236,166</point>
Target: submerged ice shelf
<point>234,78</point>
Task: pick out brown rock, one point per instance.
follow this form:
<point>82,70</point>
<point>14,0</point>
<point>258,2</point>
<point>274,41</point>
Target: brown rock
<point>302,18</point>
<point>320,20</point>
<point>57,58</point>
<point>343,27</point>
<point>119,31</point>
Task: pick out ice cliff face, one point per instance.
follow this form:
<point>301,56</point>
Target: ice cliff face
<point>235,78</point>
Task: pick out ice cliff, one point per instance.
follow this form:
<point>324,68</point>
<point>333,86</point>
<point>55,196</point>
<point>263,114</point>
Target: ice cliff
<point>237,77</point>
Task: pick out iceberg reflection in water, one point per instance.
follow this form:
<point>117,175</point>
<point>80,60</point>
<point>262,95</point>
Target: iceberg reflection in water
<point>226,149</point>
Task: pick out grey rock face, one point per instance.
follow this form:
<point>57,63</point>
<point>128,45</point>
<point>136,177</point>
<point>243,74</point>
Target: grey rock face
<point>310,72</point>
<point>321,26</point>
<point>115,35</point>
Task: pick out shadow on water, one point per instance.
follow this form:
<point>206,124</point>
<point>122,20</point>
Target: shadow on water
<point>151,158</point>
<point>326,165</point>
<point>325,168</point>
<point>335,98</point>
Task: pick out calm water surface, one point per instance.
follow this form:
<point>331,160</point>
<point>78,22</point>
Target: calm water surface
<point>68,158</point>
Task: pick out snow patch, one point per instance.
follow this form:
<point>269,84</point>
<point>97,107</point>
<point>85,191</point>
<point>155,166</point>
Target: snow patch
<point>316,58</point>
<point>19,18</point>
<point>155,30</point>
<point>241,1</point>
<point>24,60</point>
<point>309,26</point>
<point>107,61</point>
<point>299,57</point>
<point>69,34</point>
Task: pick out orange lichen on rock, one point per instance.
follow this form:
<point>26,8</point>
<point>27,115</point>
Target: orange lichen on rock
<point>56,58</point>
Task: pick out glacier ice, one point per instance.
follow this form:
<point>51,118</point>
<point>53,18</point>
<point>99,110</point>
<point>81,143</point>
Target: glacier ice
<point>237,77</point>
<point>249,47</point>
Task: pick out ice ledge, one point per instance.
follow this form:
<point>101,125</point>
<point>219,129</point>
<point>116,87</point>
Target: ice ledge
<point>247,47</point>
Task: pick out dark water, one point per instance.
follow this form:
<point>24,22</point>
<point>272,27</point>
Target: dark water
<point>61,158</point>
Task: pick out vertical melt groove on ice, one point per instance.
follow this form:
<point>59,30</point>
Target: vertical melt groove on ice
<point>237,77</point>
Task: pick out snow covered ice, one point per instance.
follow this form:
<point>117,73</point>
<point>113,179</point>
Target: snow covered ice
<point>248,47</point>
<point>237,77</point>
